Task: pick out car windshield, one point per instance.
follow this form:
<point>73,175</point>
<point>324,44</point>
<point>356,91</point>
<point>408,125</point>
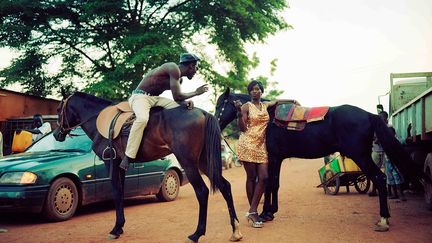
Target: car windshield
<point>78,142</point>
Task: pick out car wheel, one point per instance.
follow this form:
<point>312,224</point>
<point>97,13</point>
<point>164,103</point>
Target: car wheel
<point>170,187</point>
<point>62,200</point>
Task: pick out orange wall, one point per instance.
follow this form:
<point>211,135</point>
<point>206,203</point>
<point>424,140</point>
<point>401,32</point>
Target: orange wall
<point>14,105</point>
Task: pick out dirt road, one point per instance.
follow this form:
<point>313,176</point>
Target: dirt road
<point>305,214</point>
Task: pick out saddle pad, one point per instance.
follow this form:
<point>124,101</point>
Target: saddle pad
<point>106,116</point>
<point>294,117</point>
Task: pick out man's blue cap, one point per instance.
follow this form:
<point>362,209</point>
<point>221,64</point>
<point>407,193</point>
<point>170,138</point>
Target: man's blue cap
<point>188,57</point>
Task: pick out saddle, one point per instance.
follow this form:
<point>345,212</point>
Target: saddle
<point>119,115</point>
<point>295,117</point>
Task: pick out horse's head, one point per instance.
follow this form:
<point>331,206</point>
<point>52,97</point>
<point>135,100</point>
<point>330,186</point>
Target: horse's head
<point>225,109</point>
<point>78,109</point>
<point>67,119</point>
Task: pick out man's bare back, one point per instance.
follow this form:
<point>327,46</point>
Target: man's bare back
<point>165,77</point>
<point>168,77</point>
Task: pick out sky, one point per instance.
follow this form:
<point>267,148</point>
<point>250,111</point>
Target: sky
<point>340,52</point>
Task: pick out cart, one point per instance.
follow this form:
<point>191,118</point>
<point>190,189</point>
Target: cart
<point>342,171</point>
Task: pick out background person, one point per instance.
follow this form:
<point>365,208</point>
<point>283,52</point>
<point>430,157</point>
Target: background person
<point>378,155</point>
<point>394,178</point>
<point>40,128</point>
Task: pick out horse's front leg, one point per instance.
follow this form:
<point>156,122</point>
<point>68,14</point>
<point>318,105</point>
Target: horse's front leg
<point>266,213</point>
<point>276,185</point>
<point>117,182</point>
<point>270,197</point>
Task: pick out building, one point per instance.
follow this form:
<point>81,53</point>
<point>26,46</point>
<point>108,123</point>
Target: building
<point>17,110</point>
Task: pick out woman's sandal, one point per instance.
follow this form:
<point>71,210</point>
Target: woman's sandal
<point>254,222</point>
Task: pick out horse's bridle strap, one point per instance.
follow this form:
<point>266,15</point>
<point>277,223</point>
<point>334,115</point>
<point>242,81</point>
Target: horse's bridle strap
<point>63,119</point>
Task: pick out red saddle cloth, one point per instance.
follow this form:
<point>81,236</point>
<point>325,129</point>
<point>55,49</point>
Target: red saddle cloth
<point>294,117</point>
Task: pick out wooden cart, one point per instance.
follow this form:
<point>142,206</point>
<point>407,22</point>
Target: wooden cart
<point>342,171</point>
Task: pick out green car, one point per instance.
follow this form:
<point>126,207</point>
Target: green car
<point>55,178</point>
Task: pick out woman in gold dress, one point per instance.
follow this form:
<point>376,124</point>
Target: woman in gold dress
<point>252,121</point>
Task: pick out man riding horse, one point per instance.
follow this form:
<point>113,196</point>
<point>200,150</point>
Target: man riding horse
<point>168,76</point>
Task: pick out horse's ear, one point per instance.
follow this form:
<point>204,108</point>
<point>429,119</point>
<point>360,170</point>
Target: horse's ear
<point>226,93</point>
<point>67,91</point>
<point>63,92</point>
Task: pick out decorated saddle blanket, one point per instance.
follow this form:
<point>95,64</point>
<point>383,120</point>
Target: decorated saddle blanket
<point>294,117</point>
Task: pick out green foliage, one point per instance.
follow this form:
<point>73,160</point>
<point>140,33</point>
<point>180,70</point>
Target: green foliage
<point>110,44</point>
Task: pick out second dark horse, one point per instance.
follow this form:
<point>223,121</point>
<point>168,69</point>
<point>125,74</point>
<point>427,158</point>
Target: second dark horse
<point>193,136</point>
<point>346,129</point>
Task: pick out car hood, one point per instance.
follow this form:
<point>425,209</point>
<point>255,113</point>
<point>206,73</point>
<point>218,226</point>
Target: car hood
<point>25,161</point>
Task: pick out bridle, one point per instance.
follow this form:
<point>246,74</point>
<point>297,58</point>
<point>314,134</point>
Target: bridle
<point>226,101</point>
<point>64,121</point>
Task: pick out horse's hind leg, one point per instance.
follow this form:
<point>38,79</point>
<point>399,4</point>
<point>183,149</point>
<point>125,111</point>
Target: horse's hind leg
<point>202,193</point>
<point>225,188</point>
<point>117,182</point>
<point>372,171</point>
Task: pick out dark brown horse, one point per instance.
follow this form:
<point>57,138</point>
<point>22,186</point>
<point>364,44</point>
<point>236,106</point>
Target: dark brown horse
<point>193,136</point>
<point>347,129</point>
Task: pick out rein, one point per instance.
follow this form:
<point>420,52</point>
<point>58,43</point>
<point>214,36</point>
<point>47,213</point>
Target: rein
<point>224,138</point>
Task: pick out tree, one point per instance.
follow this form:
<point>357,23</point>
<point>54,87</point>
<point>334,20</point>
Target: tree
<point>110,44</point>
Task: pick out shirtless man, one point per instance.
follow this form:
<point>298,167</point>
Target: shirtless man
<point>146,95</point>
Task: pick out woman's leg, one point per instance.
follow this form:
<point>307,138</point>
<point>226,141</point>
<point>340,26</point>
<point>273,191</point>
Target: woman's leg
<point>262,170</point>
<point>251,175</point>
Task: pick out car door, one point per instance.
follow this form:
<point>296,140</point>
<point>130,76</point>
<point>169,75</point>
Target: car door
<point>151,175</point>
<point>103,185</point>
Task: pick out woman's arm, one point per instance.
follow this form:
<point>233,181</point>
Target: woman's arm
<point>242,115</point>
<point>272,103</point>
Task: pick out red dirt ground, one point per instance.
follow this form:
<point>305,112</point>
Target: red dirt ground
<point>305,214</point>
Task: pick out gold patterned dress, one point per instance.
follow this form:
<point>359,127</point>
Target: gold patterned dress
<point>251,145</point>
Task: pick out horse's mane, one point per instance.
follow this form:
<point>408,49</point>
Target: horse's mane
<point>240,96</point>
<point>93,98</point>
<point>244,97</point>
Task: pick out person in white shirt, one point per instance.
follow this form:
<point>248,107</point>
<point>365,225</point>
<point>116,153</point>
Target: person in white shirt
<point>40,127</point>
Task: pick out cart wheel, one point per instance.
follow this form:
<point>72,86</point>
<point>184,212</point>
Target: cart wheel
<point>332,187</point>
<point>362,184</point>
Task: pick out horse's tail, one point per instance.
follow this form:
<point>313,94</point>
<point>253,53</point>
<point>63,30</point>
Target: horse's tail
<point>213,151</point>
<point>395,151</point>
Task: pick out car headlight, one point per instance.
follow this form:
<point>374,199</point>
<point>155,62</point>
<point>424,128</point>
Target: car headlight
<point>18,178</point>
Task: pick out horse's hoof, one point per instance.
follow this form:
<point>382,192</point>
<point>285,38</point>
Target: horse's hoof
<point>237,235</point>
<point>381,228</point>
<point>266,217</point>
<point>193,236</point>
<point>382,225</point>
<point>113,237</point>
<point>190,241</point>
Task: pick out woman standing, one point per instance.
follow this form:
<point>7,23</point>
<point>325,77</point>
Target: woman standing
<point>252,121</point>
